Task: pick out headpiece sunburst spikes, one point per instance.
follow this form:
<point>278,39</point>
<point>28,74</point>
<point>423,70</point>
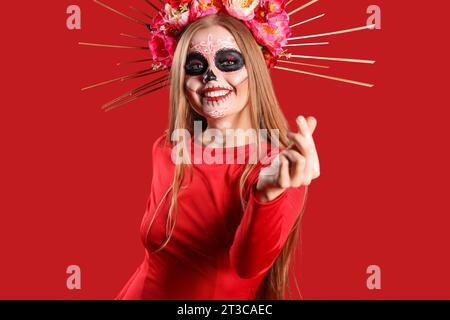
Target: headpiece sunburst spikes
<point>111,46</point>
<point>306,21</point>
<point>369,85</point>
<point>371,26</point>
<point>152,5</point>
<point>120,13</point>
<point>290,55</point>
<point>136,97</point>
<point>301,7</point>
<point>125,77</point>
<point>137,90</point>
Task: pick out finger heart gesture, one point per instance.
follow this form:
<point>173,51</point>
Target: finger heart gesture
<point>295,166</point>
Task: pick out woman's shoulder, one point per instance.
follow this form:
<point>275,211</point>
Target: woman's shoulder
<point>160,141</point>
<point>161,152</point>
<point>160,146</point>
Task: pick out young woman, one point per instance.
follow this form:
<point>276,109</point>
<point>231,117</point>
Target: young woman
<point>223,229</point>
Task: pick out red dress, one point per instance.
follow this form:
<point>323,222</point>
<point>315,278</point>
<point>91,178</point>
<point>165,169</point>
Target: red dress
<point>217,251</point>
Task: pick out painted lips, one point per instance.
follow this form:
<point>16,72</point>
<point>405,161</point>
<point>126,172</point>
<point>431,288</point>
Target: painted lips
<point>216,94</point>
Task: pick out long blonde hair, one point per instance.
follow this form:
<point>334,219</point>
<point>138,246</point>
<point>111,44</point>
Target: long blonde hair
<point>265,113</point>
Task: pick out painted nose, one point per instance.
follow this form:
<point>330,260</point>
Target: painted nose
<point>209,76</point>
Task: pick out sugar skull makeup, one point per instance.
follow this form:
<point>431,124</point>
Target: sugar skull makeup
<point>226,60</point>
<point>216,76</point>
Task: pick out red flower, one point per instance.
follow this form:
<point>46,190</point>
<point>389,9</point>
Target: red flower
<point>271,61</point>
<point>162,48</point>
<point>268,9</point>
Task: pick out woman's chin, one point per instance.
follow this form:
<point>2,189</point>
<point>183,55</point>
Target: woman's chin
<point>216,110</point>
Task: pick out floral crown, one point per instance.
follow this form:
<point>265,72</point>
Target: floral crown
<point>267,20</point>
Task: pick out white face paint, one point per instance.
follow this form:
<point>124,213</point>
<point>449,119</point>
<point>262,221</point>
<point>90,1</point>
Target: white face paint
<point>216,77</point>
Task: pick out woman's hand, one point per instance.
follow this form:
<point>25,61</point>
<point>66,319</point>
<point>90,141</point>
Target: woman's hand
<point>295,166</point>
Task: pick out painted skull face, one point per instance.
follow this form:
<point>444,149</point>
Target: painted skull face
<point>216,77</point>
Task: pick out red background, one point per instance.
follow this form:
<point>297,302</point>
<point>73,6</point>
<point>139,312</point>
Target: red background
<point>75,180</point>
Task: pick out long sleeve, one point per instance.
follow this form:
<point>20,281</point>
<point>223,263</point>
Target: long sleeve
<point>216,250</point>
<point>263,231</point>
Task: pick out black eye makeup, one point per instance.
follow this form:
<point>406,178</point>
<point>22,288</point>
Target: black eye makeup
<point>228,60</point>
<point>196,64</point>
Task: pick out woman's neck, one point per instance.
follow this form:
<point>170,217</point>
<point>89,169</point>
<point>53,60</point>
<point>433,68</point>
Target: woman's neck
<point>233,130</point>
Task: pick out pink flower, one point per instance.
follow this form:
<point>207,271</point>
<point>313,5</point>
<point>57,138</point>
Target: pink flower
<point>175,18</point>
<point>201,8</point>
<point>159,24</point>
<point>273,32</point>
<point>162,48</point>
<point>241,9</point>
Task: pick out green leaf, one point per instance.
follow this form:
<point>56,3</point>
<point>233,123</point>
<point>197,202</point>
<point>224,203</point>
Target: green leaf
<point>184,8</point>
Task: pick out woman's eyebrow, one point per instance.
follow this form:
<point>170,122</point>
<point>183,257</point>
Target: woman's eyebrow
<point>228,49</point>
<point>195,52</point>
